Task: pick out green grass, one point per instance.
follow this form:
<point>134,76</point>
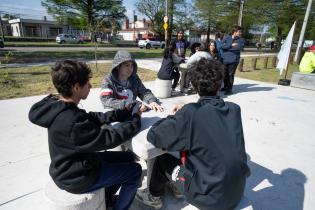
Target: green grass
<point>270,75</point>
<point>28,81</point>
<point>41,56</point>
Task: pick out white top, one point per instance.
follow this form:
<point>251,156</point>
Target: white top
<point>197,57</point>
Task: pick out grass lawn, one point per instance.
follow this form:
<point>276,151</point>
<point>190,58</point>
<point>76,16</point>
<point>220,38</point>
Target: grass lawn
<point>41,56</point>
<point>28,81</point>
<point>270,75</point>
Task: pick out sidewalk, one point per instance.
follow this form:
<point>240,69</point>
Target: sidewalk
<point>280,143</point>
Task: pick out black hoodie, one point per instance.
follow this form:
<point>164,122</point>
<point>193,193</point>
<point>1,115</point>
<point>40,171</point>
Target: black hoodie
<point>211,133</point>
<point>75,136</point>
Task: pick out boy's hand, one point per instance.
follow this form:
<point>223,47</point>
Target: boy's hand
<point>176,107</point>
<point>154,106</point>
<point>143,108</point>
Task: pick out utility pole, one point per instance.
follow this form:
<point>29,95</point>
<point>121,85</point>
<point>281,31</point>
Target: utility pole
<point>134,25</point>
<point>298,49</point>
<point>1,27</point>
<point>240,17</point>
<point>166,30</point>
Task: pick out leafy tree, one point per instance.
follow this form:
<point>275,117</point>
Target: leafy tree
<point>154,10</point>
<point>88,14</point>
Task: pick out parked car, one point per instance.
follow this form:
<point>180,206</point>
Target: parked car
<point>151,42</point>
<point>68,38</point>
<point>1,43</point>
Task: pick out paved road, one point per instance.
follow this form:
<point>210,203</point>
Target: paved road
<point>56,49</point>
<point>53,49</point>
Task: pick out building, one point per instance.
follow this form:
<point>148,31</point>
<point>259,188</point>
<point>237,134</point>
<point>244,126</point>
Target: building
<point>36,28</point>
<point>135,31</point>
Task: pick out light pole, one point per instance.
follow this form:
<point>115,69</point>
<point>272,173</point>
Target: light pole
<point>240,17</point>
<point>166,30</point>
<point>298,49</point>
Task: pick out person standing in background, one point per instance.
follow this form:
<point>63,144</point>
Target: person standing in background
<point>181,44</point>
<point>218,42</point>
<point>231,46</point>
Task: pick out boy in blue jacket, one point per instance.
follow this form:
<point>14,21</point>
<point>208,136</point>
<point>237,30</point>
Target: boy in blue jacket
<point>231,46</point>
<point>212,170</point>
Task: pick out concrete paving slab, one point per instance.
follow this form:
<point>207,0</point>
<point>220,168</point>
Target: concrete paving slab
<point>277,122</point>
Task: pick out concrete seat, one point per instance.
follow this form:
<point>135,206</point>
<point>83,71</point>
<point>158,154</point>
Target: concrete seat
<point>58,199</point>
<point>302,80</point>
<point>163,88</point>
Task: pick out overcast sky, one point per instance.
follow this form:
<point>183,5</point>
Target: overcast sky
<point>33,8</point>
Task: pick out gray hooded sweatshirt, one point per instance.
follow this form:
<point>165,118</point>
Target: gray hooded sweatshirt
<point>116,95</point>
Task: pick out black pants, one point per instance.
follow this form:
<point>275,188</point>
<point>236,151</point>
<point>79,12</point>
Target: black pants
<point>229,76</point>
<point>162,173</point>
<point>175,76</point>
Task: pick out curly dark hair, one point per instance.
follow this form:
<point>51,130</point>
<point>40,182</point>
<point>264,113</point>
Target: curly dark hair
<point>206,77</point>
<point>65,74</point>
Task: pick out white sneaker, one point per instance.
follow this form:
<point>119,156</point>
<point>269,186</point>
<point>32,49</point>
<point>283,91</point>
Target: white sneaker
<point>146,198</point>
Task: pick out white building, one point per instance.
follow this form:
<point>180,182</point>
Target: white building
<point>131,32</point>
<point>35,28</point>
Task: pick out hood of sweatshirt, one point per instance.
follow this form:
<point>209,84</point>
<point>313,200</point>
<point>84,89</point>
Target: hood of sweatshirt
<point>44,112</point>
<point>120,57</point>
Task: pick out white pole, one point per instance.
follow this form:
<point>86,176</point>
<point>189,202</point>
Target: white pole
<point>240,17</point>
<point>298,49</point>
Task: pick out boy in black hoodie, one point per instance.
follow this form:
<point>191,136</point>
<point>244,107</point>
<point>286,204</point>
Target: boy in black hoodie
<point>212,170</point>
<point>75,138</point>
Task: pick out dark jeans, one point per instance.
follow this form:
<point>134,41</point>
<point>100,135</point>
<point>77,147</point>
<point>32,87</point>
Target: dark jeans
<point>184,80</point>
<point>162,173</point>
<point>118,170</point>
<point>175,75</point>
<point>229,76</point>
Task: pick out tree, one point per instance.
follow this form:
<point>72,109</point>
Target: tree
<point>154,10</point>
<point>88,14</point>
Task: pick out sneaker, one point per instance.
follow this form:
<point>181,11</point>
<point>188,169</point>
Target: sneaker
<point>176,193</point>
<point>145,197</point>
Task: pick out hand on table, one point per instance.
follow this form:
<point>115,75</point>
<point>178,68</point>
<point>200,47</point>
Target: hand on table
<point>154,106</point>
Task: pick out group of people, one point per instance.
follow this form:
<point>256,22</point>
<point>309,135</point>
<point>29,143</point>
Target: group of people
<point>208,135</point>
<point>226,50</point>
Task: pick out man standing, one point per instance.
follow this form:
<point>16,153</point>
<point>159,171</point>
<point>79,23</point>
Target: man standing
<point>181,44</point>
<point>231,46</point>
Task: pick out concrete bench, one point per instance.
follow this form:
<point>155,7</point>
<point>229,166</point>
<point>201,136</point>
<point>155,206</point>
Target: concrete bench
<point>302,80</point>
<point>58,199</point>
<point>163,88</point>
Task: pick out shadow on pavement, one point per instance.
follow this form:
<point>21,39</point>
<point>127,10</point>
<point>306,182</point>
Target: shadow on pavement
<point>268,190</point>
<point>238,88</point>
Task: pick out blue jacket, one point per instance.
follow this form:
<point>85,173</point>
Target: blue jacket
<point>232,54</point>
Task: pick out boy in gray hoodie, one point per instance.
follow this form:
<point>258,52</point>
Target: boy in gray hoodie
<point>121,88</point>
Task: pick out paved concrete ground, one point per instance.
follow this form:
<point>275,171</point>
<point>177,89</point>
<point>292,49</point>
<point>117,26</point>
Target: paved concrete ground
<point>277,122</point>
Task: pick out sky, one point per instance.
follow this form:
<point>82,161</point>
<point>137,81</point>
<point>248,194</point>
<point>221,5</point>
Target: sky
<point>33,8</point>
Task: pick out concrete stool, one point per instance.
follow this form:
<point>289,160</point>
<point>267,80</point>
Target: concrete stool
<point>163,88</point>
<point>302,80</point>
<point>58,199</point>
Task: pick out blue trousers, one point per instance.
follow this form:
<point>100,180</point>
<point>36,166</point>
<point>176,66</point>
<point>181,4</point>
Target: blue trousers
<point>119,170</point>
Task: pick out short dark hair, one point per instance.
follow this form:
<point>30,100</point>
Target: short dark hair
<point>65,74</point>
<point>236,28</point>
<point>206,77</point>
